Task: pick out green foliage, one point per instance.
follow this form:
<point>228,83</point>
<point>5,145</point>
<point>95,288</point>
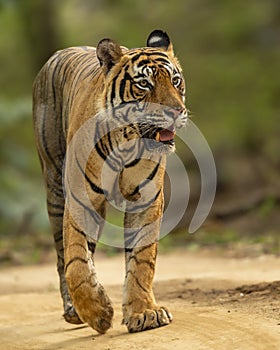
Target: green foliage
<point>22,190</point>
<point>223,241</point>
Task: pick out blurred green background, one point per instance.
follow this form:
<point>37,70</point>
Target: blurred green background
<point>230,53</point>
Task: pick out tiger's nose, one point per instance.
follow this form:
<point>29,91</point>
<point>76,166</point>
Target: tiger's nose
<point>174,112</point>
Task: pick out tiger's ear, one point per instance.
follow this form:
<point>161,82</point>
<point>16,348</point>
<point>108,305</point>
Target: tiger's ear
<point>160,39</point>
<point>109,53</point>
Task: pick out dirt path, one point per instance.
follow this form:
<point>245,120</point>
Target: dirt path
<point>212,307</point>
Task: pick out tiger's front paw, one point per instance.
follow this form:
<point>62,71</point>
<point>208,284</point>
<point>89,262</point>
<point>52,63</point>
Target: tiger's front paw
<point>149,319</point>
<point>94,307</point>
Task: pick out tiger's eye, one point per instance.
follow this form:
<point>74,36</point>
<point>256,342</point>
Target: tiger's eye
<point>176,81</point>
<point>143,83</point>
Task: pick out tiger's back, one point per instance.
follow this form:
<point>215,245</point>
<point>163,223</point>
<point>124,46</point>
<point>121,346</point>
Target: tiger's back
<point>55,90</point>
<point>74,86</point>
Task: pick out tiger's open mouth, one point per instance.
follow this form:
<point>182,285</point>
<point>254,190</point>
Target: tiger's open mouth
<point>159,138</point>
<point>165,136</point>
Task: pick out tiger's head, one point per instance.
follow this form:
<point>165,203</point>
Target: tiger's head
<point>146,83</point>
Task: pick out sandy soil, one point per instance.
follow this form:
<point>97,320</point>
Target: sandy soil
<point>217,303</point>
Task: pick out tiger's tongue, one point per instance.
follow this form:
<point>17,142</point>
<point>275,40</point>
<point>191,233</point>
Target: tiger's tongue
<point>166,135</point>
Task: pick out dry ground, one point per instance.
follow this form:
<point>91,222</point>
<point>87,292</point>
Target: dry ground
<point>218,303</point>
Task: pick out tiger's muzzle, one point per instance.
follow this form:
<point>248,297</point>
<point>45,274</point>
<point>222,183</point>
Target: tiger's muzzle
<point>162,132</point>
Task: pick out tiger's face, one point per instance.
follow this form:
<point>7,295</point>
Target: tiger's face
<point>146,86</point>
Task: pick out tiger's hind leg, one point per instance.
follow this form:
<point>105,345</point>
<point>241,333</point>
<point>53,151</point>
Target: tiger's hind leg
<point>55,205</point>
<point>88,295</point>
<point>51,145</point>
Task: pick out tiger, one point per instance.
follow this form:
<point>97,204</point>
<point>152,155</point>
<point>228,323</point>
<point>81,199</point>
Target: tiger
<point>144,90</point>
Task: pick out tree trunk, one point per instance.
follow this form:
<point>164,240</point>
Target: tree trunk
<point>39,21</point>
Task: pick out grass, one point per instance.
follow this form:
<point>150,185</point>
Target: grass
<point>39,247</point>
<point>223,241</point>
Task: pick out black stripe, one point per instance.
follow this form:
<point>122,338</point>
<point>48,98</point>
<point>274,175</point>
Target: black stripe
<point>148,179</point>
<point>157,317</point>
<point>102,155</point>
<point>109,138</point>
<point>103,145</point>
<point>128,250</point>
<point>73,290</point>
<point>55,206</point>
<point>57,191</point>
<point>93,186</point>
<point>55,215</point>
<point>63,64</point>
<point>79,245</point>
<point>140,285</point>
<point>135,58</point>
<point>149,54</point>
<point>130,236</point>
<point>53,78</point>
<point>126,78</point>
<point>91,246</point>
<point>141,237</point>
<point>58,236</point>
<point>122,84</point>
<point>113,88</point>
<point>161,66</point>
<point>132,93</point>
<point>144,321</point>
<point>77,59</point>
<point>92,213</point>
<point>58,239</point>
<point>83,282</point>
<point>137,281</point>
<point>133,163</point>
<point>142,63</point>
<point>60,63</point>
<point>85,261</point>
<point>141,261</point>
<point>122,88</point>
<point>162,60</point>
<point>153,173</point>
<point>136,190</point>
<point>145,205</point>
<point>45,145</point>
<point>78,230</point>
<point>60,249</point>
<point>141,250</point>
<point>112,155</point>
